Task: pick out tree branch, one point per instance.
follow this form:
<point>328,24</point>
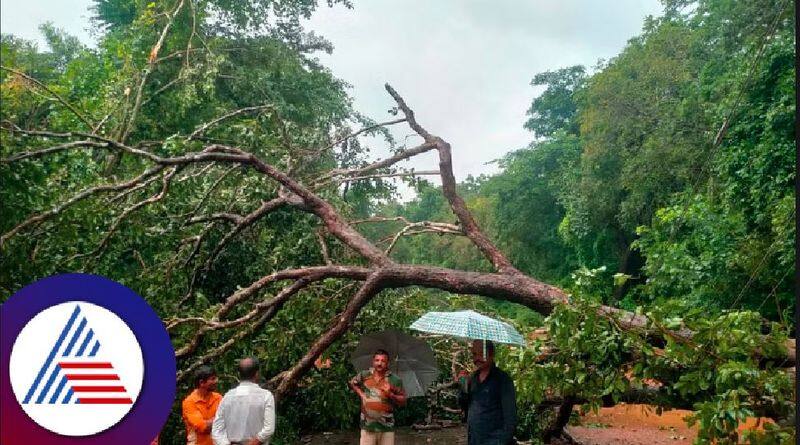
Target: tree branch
<point>288,379</point>
<point>468,223</point>
<point>54,149</point>
<point>274,304</point>
<point>388,162</point>
<point>390,175</point>
<point>241,224</point>
<point>306,275</point>
<point>71,108</point>
<point>151,61</point>
<point>202,128</point>
<point>165,181</point>
<point>363,130</point>
<point>37,218</point>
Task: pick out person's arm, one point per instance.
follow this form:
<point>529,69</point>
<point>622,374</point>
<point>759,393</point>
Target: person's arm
<point>355,385</point>
<point>218,433</point>
<point>269,419</point>
<point>463,393</point>
<point>194,418</point>
<point>397,393</point>
<point>508,400</point>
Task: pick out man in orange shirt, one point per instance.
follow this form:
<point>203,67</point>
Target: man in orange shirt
<point>200,406</point>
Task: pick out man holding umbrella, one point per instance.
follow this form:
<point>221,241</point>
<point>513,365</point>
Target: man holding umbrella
<point>489,400</point>
<point>488,395</point>
<point>380,392</point>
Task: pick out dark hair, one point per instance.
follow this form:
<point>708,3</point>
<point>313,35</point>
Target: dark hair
<point>382,352</point>
<point>202,374</point>
<point>248,368</point>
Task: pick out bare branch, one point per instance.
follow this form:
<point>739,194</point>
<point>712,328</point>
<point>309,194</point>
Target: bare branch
<point>391,175</point>
<point>202,129</point>
<point>303,276</point>
<point>336,271</point>
<point>468,223</point>
<point>323,246</point>
<point>219,350</point>
<point>151,61</point>
<point>37,218</point>
<point>288,379</point>
<point>54,149</point>
<point>400,156</point>
<point>274,304</point>
<point>219,216</point>
<point>165,181</point>
<point>376,219</point>
<point>71,108</point>
<point>125,193</point>
<point>424,227</point>
<point>108,143</point>
<point>198,173</point>
<point>363,130</point>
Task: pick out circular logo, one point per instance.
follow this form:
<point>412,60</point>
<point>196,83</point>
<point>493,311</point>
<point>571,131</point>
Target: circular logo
<point>90,368</point>
<point>85,360</point>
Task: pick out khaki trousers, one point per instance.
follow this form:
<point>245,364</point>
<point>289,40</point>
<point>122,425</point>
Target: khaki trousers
<point>371,438</point>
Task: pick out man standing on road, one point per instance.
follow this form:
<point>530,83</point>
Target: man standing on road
<point>380,392</point>
<point>489,401</point>
<point>246,415</point>
<point>200,407</point>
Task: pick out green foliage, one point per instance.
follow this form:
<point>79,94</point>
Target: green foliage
<point>591,359</point>
<point>555,108</point>
<point>623,197</point>
<point>713,225</point>
<point>526,198</point>
<point>222,73</point>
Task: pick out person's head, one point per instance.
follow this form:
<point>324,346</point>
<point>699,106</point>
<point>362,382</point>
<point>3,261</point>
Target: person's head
<point>478,357</point>
<point>380,360</point>
<point>248,369</point>
<point>205,378</point>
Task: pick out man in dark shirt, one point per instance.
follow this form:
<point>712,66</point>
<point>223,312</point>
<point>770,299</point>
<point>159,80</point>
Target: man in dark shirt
<point>489,400</point>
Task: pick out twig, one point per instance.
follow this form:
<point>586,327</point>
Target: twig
<point>71,108</point>
<point>151,61</point>
<point>201,129</point>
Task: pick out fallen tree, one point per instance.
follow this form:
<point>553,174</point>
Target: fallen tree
<point>374,267</point>
<point>282,169</point>
<point>381,272</point>
<point>378,272</point>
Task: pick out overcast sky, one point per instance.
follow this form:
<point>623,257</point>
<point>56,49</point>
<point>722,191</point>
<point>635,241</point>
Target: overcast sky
<point>463,66</point>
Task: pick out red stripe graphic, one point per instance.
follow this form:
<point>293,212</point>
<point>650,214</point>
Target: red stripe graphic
<point>98,388</point>
<point>92,377</point>
<point>87,365</point>
<point>105,401</point>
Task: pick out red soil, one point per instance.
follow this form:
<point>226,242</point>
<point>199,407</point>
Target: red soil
<point>639,424</point>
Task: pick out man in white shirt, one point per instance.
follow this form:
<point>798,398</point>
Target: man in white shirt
<point>246,415</point>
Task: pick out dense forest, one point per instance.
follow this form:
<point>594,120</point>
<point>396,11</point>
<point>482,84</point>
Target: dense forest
<point>660,182</point>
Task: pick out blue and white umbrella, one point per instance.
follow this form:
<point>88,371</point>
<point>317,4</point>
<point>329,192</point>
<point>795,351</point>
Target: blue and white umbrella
<point>468,324</point>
